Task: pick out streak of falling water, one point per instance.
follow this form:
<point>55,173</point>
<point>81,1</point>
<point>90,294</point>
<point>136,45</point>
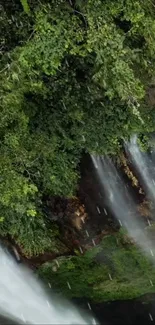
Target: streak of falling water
<point>23,298</point>
<point>121,203</point>
<point>144,165</point>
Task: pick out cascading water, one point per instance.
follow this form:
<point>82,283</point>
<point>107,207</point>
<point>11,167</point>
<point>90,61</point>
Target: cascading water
<point>22,298</point>
<point>120,202</point>
<point>144,165</point>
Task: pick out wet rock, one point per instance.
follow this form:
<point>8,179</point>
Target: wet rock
<point>144,209</point>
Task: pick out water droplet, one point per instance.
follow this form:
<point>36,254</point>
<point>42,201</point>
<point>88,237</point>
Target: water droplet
<point>49,285</point>
<point>67,63</point>
<point>69,285</point>
<point>151,318</point>
<point>82,219</point>
<point>16,253</point>
<point>87,233</point>
<point>89,305</point>
<point>64,105</point>
<point>99,212</point>
<point>149,223</point>
<point>88,89</point>
<point>93,242</point>
<point>56,261</point>
<point>110,277</point>
<point>80,248</point>
<point>120,222</point>
<point>151,283</point>
<point>151,252</point>
<point>48,304</point>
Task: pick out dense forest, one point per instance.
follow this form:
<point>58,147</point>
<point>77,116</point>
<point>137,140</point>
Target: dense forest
<point>77,77</point>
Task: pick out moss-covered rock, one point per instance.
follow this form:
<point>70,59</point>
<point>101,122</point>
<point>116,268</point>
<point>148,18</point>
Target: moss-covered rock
<point>116,269</point>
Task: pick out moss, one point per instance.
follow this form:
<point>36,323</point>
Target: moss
<point>90,276</point>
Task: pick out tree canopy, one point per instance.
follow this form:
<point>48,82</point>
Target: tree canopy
<point>75,77</point>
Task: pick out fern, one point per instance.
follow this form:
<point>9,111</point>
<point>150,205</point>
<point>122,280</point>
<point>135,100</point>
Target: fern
<point>25,6</point>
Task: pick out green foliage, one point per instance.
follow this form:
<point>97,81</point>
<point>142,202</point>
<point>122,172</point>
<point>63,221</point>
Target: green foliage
<point>53,38</point>
<point>112,27</point>
<point>73,79</point>
<point>25,6</point>
<point>129,268</point>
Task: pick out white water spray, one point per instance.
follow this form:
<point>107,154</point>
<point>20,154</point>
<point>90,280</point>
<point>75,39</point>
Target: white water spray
<point>144,166</point>
<point>121,203</point>
<point>23,298</point>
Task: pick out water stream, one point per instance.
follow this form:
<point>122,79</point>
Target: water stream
<point>23,298</point>
<point>144,164</point>
<point>120,202</point>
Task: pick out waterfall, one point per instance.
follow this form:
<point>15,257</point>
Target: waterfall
<point>120,202</point>
<point>23,298</point>
<point>144,165</point>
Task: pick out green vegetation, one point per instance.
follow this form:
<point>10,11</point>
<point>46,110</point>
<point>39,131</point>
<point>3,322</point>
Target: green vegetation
<point>25,6</point>
<point>89,275</point>
<point>74,78</point>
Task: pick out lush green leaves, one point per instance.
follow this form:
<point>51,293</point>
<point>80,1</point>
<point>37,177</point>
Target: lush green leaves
<point>25,6</point>
<point>73,79</point>
<point>89,275</point>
